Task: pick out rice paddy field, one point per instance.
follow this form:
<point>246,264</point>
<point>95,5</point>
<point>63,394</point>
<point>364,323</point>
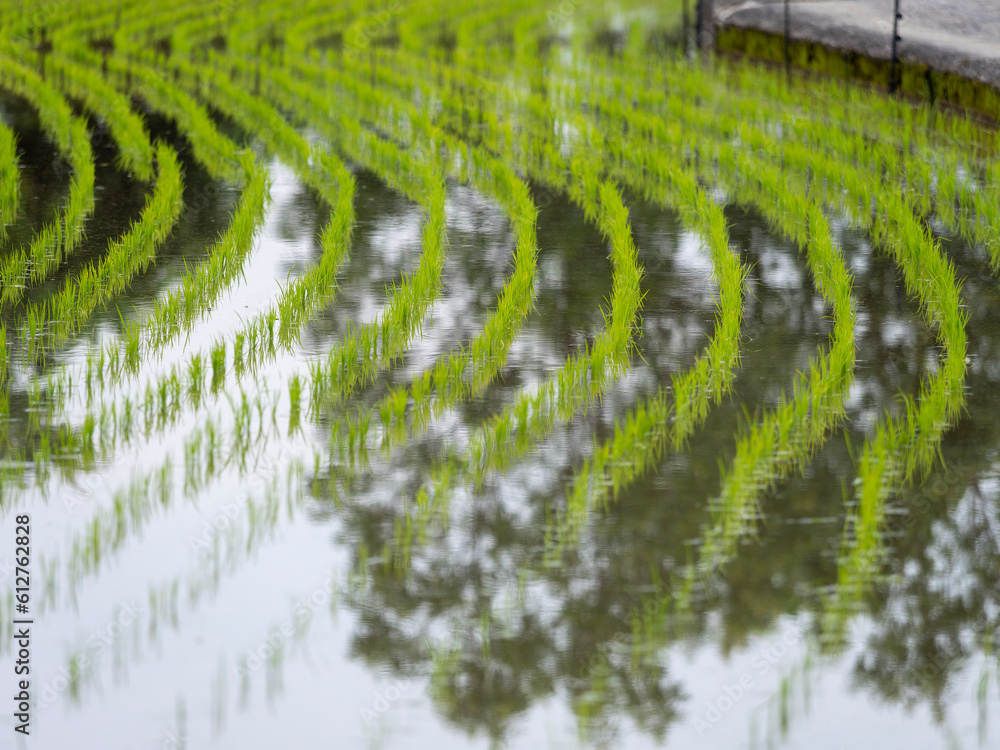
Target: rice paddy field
<point>486,375</point>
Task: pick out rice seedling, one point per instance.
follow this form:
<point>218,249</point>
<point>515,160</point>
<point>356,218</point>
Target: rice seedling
<point>64,312</point>
<point>59,238</point>
<point>135,150</point>
<point>10,180</point>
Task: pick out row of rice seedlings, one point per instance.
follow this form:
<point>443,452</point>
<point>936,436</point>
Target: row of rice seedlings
<point>711,377</point>
<point>936,178</point>
<point>672,415</point>
<point>905,448</point>
<point>785,439</point>
<point>203,285</point>
<point>684,84</point>
<point>787,436</point>
<point>59,238</point>
<point>587,375</point>
<point>356,361</point>
<point>135,150</point>
<point>905,445</point>
<point>932,421</point>
<point>317,167</point>
<point>466,372</point>
<point>170,392</point>
<point>584,376</point>
<point>10,184</point>
<point>63,313</point>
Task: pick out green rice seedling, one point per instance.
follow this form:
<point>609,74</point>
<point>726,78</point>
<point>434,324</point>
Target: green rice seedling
<point>4,357</point>
<point>65,311</point>
<point>218,366</point>
<point>196,379</point>
<point>135,150</point>
<point>201,288</point>
<point>295,398</point>
<point>10,180</point>
<point>59,238</point>
<point>238,343</point>
<point>407,306</point>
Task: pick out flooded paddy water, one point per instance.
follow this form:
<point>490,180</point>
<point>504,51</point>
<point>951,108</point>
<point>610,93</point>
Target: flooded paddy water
<point>430,510</point>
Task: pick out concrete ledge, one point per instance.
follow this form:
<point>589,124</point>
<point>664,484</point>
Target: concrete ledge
<point>849,39</point>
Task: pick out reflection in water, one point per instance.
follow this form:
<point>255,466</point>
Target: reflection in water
<point>44,175</point>
<point>507,632</point>
<point>516,633</point>
<point>469,607</point>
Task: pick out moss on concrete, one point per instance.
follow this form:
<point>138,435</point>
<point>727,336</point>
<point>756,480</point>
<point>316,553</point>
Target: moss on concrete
<point>915,79</point>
